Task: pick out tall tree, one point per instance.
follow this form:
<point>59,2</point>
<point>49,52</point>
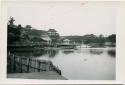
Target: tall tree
<point>11,21</point>
<point>111,38</point>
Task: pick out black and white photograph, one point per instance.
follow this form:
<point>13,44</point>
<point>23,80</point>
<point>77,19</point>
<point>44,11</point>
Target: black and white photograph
<point>62,41</point>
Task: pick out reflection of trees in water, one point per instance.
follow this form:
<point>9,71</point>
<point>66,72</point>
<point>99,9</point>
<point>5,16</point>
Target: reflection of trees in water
<point>26,54</point>
<point>111,53</point>
<point>96,51</point>
<point>37,53</point>
<point>52,52</point>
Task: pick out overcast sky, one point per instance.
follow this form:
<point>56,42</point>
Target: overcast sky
<point>75,18</point>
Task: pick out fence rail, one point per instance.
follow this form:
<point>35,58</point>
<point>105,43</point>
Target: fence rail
<point>20,64</point>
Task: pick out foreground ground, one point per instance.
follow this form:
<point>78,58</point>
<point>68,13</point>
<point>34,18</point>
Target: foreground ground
<point>47,75</point>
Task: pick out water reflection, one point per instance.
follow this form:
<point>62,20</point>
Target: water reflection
<point>52,52</point>
<point>37,53</point>
<point>111,52</point>
<point>96,51</point>
<point>76,63</point>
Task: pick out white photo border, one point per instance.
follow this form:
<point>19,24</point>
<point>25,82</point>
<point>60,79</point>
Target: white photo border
<point>120,46</point>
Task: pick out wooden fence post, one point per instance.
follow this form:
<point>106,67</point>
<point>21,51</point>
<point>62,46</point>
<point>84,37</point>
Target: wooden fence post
<point>28,67</point>
<point>21,64</point>
<point>14,66</point>
<point>29,64</point>
<point>35,65</point>
<point>9,63</point>
<point>12,63</point>
<point>39,66</point>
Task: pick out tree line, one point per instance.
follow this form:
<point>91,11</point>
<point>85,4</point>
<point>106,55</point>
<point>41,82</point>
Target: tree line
<point>17,33</point>
<point>91,38</point>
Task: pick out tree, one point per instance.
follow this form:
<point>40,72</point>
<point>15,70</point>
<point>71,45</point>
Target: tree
<point>90,38</point>
<point>101,39</point>
<point>28,26</point>
<point>13,31</point>
<point>111,38</point>
<point>11,21</point>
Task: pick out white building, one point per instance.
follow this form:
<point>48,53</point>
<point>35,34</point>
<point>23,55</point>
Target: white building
<point>66,41</point>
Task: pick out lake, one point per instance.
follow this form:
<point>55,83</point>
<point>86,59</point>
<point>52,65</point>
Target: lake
<point>81,63</point>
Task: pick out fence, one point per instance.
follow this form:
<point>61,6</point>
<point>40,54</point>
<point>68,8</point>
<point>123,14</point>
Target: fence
<point>20,64</point>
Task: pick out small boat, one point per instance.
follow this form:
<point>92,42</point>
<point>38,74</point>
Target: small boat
<point>68,51</point>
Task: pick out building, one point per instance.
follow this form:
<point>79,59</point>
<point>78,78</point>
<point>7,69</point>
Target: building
<point>66,41</point>
<point>52,33</point>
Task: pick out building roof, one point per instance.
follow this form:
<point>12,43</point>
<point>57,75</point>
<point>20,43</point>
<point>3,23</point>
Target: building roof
<point>52,30</point>
<point>66,40</point>
<point>46,37</point>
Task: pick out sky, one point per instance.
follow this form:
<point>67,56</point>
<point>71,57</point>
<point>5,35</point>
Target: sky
<point>69,18</point>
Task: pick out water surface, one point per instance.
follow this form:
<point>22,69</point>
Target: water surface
<point>81,64</point>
